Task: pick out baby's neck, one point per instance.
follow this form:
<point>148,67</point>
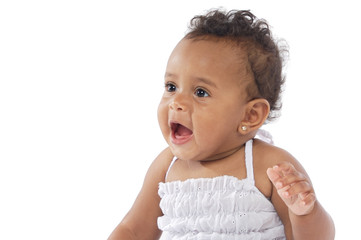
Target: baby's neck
<point>224,155</point>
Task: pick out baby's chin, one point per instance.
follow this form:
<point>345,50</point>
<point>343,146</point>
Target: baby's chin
<point>183,154</point>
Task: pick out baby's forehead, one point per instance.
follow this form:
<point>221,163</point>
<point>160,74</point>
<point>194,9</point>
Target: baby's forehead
<point>225,49</point>
<point>221,57</point>
<point>212,50</point>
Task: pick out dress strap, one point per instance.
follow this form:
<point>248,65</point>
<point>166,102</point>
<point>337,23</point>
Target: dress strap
<point>264,136</point>
<point>249,159</point>
<point>170,166</point>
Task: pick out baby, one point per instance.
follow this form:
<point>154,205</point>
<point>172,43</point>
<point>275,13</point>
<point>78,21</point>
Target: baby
<point>216,180</point>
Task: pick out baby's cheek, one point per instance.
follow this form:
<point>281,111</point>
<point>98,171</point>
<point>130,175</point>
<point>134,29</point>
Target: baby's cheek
<point>162,113</point>
<point>163,121</point>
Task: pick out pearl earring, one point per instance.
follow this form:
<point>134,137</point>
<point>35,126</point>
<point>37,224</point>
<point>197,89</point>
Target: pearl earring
<point>244,128</point>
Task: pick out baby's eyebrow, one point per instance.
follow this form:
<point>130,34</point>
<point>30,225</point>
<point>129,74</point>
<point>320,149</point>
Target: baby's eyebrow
<point>196,79</point>
<point>206,81</point>
<point>168,75</point>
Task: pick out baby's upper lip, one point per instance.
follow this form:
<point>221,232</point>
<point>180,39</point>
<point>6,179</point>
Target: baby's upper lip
<point>175,124</point>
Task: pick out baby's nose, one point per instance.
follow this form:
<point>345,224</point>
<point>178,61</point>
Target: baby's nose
<point>176,106</point>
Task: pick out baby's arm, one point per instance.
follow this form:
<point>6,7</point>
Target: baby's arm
<point>293,187</point>
<point>141,221</point>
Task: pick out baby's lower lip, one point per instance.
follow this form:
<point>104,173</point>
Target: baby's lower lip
<point>179,140</point>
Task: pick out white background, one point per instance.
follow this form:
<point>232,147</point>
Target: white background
<point>80,83</point>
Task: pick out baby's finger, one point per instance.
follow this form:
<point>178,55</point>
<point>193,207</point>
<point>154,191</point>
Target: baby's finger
<point>283,192</point>
<point>291,178</point>
<point>284,168</point>
<point>309,199</point>
<point>273,175</point>
<point>278,172</point>
<point>298,188</point>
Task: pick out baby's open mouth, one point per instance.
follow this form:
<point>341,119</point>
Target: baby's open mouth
<point>180,133</point>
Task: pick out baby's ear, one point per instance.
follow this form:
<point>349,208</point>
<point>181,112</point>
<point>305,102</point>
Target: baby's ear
<point>256,114</point>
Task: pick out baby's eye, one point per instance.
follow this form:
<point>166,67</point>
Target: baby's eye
<point>170,87</point>
<point>201,93</point>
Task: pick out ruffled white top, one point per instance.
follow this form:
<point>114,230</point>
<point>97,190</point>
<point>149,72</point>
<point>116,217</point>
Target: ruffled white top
<point>220,208</point>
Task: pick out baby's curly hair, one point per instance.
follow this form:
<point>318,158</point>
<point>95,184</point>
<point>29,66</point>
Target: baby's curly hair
<point>252,35</point>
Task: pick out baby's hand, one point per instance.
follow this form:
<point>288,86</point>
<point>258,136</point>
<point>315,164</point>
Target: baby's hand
<point>293,187</point>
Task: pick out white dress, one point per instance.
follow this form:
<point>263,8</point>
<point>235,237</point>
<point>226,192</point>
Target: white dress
<point>218,208</point>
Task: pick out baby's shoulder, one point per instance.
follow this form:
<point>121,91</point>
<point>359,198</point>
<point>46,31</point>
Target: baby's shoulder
<point>161,164</point>
<point>267,155</point>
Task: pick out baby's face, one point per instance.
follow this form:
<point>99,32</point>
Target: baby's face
<point>204,99</point>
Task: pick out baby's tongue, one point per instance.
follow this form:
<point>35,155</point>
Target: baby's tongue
<point>183,131</point>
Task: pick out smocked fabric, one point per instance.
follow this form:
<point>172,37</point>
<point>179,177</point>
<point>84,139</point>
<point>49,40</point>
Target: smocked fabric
<point>220,208</point>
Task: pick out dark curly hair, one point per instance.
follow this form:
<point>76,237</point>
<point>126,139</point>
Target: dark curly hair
<point>253,36</point>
